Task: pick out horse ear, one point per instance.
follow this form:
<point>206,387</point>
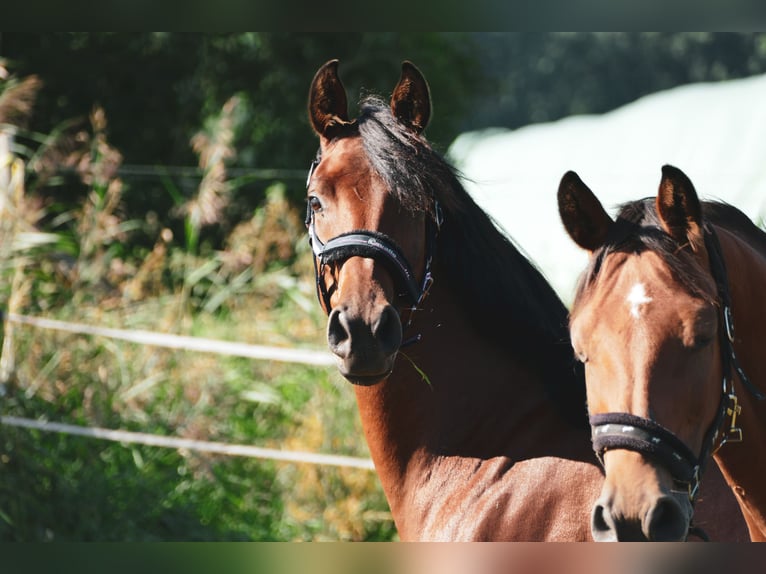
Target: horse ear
<point>678,206</point>
<point>582,214</point>
<point>411,99</point>
<point>328,107</point>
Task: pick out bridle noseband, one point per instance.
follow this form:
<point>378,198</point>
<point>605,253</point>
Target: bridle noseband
<point>645,436</point>
<point>378,246</point>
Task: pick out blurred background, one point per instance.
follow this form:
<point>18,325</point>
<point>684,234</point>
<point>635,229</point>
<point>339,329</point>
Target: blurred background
<point>155,181</point>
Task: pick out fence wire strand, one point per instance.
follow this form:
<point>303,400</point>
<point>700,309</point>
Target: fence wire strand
<point>304,356</point>
<point>130,437</point>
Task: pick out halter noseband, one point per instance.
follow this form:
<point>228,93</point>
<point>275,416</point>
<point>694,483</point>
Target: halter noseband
<point>645,436</point>
<point>373,245</point>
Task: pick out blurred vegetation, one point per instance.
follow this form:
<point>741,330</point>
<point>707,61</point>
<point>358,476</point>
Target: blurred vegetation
<point>157,89</point>
<point>77,261</point>
<point>155,181</point>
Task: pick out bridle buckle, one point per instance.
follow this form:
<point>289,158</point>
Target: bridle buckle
<point>733,433</point>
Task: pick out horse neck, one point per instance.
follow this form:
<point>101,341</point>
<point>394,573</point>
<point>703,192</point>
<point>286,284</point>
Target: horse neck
<point>743,463</point>
<point>456,394</point>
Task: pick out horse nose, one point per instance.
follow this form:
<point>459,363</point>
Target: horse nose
<point>666,521</point>
<point>347,334</point>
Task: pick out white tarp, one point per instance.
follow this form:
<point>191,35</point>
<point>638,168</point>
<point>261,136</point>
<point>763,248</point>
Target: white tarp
<point>715,133</point>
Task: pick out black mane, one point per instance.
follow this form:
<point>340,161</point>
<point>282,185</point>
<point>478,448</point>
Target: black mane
<point>509,299</point>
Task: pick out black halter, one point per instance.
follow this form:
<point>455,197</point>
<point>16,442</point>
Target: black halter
<point>627,431</point>
<point>378,246</point>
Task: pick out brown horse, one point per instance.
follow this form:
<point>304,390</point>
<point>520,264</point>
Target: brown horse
<point>653,322</point>
<point>471,401</point>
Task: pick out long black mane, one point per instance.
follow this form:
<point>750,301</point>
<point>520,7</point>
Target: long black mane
<point>508,298</point>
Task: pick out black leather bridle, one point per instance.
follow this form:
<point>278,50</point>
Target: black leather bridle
<point>378,246</point>
<point>626,431</point>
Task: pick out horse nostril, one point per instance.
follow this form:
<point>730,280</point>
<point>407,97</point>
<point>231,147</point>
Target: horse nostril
<point>338,334</point>
<point>666,521</point>
<point>601,525</point>
<point>388,330</point>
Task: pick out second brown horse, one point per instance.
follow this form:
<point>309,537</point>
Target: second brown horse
<point>653,320</point>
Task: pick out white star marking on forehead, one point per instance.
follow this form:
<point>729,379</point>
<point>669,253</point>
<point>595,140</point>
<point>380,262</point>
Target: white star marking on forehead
<point>636,298</point>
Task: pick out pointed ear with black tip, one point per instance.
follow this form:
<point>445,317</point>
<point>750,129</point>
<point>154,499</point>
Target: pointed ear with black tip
<point>679,207</point>
<point>584,218</point>
<point>411,99</point>
<point>328,106</point>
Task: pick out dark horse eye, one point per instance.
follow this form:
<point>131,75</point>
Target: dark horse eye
<point>702,341</point>
<point>314,203</point>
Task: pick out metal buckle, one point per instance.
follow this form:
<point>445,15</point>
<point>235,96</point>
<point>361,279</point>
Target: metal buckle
<point>733,433</point>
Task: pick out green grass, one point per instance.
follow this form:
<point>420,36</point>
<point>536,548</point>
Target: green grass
<point>67,488</point>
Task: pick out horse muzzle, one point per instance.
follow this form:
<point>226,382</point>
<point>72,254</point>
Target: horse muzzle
<point>365,349</point>
<point>642,505</point>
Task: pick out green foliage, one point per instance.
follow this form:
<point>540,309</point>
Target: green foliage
<point>56,487</point>
<point>159,88</point>
<point>542,77</point>
<point>60,488</point>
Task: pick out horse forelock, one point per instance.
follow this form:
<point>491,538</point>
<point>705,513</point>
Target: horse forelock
<point>637,229</point>
<point>405,161</point>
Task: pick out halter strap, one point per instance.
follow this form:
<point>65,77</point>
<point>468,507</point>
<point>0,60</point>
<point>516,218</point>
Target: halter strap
<point>718,270</point>
<point>639,434</point>
<point>373,245</point>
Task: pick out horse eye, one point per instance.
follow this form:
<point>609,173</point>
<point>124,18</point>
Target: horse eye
<point>314,203</point>
<point>702,341</point>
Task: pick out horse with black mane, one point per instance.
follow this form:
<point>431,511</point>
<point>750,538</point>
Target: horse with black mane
<point>471,402</point>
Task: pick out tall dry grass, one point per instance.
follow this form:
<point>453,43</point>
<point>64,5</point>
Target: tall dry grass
<point>80,264</point>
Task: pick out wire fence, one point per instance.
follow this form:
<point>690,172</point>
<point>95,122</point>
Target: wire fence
<point>8,167</point>
<point>182,342</point>
<point>129,437</point>
<point>199,344</point>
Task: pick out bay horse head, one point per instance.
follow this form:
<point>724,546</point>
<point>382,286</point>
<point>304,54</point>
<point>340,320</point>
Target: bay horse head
<point>372,242</point>
<point>652,323</point>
